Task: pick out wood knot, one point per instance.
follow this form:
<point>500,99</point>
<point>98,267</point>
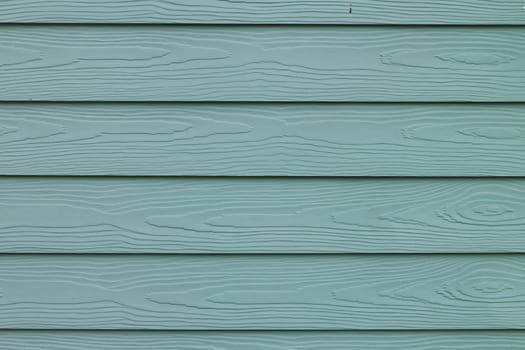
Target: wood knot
<point>492,209</point>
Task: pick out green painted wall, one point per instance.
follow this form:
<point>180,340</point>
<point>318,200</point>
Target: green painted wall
<point>309,175</point>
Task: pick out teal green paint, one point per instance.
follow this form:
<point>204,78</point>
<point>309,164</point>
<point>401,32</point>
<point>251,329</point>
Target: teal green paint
<point>262,63</point>
<point>265,11</point>
<point>257,215</point>
<point>262,139</point>
<point>257,292</point>
<point>268,340</point>
<point>142,232</point>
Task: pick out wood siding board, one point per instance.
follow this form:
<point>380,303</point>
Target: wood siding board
<point>274,340</point>
<point>240,292</point>
<point>262,139</point>
<point>257,215</point>
<point>485,12</point>
<point>262,63</point>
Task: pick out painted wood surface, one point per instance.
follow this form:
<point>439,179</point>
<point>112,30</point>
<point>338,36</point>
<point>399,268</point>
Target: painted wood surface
<point>272,340</point>
<point>243,215</point>
<point>265,11</point>
<point>262,63</point>
<point>262,139</point>
<point>286,292</point>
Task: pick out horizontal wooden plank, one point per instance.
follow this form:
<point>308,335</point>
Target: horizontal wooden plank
<point>238,292</point>
<point>271,340</point>
<point>262,63</point>
<point>264,11</point>
<point>262,139</point>
<point>228,215</point>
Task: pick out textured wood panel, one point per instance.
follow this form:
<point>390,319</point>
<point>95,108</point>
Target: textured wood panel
<point>138,215</point>
<point>312,340</point>
<point>262,63</point>
<point>262,139</point>
<point>263,292</point>
<point>265,11</point>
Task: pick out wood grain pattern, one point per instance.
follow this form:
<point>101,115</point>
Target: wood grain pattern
<point>261,63</point>
<point>286,292</point>
<point>271,340</point>
<point>262,139</point>
<point>265,11</point>
<point>227,215</point>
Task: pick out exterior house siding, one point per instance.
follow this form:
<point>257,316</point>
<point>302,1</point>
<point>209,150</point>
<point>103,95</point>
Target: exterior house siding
<point>262,175</point>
